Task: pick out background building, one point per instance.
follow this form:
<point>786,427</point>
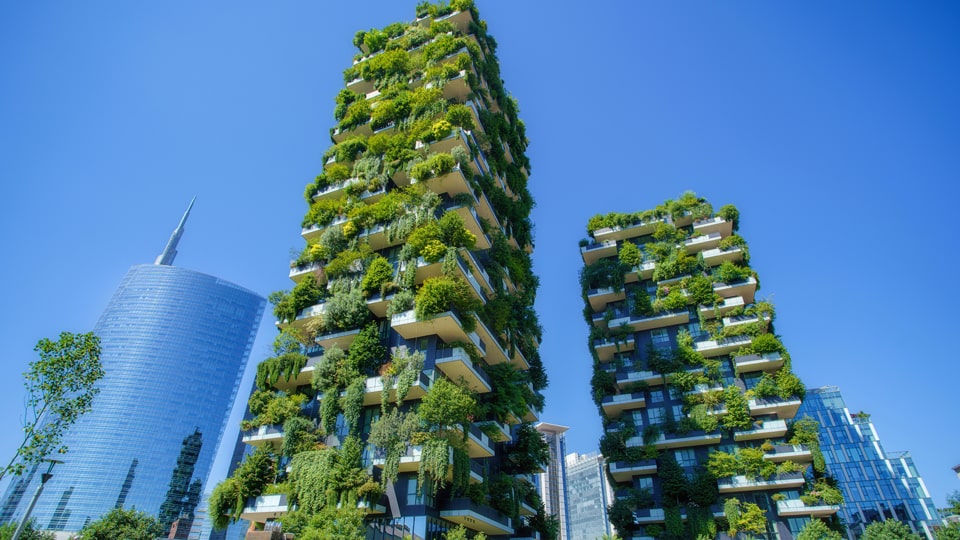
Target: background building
<point>415,286</point>
<point>174,346</point>
<point>588,494</point>
<point>695,390</point>
<point>551,482</point>
<point>877,485</point>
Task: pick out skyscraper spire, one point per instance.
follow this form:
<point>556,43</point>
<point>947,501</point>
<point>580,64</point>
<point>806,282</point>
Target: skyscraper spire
<point>170,252</point>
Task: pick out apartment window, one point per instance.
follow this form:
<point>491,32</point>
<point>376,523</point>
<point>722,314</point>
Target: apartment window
<point>656,396</point>
<point>696,332</point>
<point>656,415</point>
<point>660,338</point>
<point>686,457</point>
<point>644,482</point>
<point>678,412</point>
<point>637,416</point>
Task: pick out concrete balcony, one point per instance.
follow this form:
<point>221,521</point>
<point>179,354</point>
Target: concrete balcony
<point>592,253</point>
<point>502,433</point>
<point>305,315</point>
<point>614,406</point>
<point>717,256</point>
<point>599,298</point>
<point>378,304</point>
<point>300,379</point>
<point>758,362</point>
<point>264,507</point>
<point>342,338</point>
<point>455,89</point>
<point>642,271</point>
<point>427,270</point>
<point>297,273</point>
<point>607,347</point>
<point>624,471</point>
<point>336,190</point>
<point>446,325</point>
<point>377,237</point>
<point>478,444</point>
<point>456,364</point>
<point>360,86</point>
<point>769,429</point>
<point>451,183</point>
<point>271,436</point>
<point>783,408</point>
<point>471,220</point>
<point>721,309</point>
<point>629,231</point>
<point>646,516</point>
<point>532,415</point>
<point>674,440</point>
<point>797,453</point>
<point>316,231</point>
<point>745,289</point>
<point>409,461</point>
<point>795,508</point>
<point>459,19</point>
<point>370,508</point>
<point>713,225</point>
<point>373,390</point>
<point>738,484</point>
<point>743,319</point>
<point>632,377</point>
<point>700,243</point>
<point>463,511</point>
<point>721,347</point>
<point>494,351</point>
<point>659,320</point>
<point>526,509</point>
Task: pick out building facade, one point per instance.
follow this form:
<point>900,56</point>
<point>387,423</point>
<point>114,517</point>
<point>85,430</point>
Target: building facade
<point>695,390</point>
<point>877,485</point>
<point>409,344</point>
<point>588,494</point>
<point>174,345</point>
<point>551,482</point>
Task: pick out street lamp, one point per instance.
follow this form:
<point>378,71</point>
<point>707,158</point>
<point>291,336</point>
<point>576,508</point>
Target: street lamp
<point>33,502</point>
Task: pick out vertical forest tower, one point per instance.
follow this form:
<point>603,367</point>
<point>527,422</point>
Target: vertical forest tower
<point>694,388</point>
<point>406,376</point>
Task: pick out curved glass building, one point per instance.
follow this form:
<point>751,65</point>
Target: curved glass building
<point>175,344</point>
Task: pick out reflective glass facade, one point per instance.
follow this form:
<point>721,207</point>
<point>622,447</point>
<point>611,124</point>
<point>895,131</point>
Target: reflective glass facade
<point>175,343</point>
<point>588,493</point>
<point>877,485</point>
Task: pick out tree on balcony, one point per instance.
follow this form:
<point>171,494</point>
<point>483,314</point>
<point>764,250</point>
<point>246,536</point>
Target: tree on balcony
<point>889,529</point>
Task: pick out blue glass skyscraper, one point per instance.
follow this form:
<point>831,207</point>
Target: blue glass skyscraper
<point>175,344</point>
<point>876,485</point>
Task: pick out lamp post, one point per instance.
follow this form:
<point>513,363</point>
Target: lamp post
<point>33,502</point>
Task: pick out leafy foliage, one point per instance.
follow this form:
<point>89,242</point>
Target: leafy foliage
<point>889,530</point>
<point>60,387</point>
<point>121,524</point>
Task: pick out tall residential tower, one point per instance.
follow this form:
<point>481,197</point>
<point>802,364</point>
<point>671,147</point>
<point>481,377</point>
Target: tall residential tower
<point>694,388</point>
<point>174,343</point>
<point>407,373</point>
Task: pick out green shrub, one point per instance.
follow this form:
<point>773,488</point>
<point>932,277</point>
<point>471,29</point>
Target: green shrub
<point>379,273</point>
<point>460,116</point>
<point>630,254</point>
<point>440,293</point>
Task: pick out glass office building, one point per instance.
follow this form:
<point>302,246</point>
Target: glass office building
<point>877,485</point>
<point>588,494</point>
<point>175,343</point>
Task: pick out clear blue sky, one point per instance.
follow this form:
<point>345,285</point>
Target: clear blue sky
<point>832,126</point>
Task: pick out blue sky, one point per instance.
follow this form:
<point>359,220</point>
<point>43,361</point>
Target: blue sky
<point>832,126</point>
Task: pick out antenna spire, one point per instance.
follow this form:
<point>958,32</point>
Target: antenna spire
<point>170,252</point>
